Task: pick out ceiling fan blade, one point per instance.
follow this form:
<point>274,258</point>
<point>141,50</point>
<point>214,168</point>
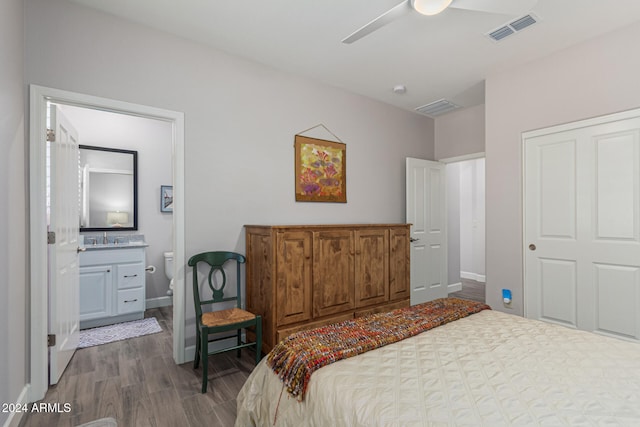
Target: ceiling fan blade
<point>502,7</point>
<point>380,21</point>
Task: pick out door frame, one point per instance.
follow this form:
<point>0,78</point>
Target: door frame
<point>38,97</point>
<point>593,121</point>
<point>454,287</point>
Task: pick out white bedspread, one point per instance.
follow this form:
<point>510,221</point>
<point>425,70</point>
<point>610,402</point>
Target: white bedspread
<point>489,369</point>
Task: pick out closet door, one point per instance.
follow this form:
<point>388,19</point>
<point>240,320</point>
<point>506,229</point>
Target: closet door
<point>582,227</point>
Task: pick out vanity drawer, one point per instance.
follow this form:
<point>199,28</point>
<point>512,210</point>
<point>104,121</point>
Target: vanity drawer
<point>130,300</point>
<point>130,275</point>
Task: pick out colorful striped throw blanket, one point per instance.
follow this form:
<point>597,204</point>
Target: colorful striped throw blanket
<point>296,357</point>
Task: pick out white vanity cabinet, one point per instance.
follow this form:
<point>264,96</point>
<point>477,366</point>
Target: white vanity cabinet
<point>112,285</point>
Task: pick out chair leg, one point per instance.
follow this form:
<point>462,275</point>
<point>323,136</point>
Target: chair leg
<point>258,339</point>
<point>196,360</point>
<point>239,342</point>
<point>204,349</point>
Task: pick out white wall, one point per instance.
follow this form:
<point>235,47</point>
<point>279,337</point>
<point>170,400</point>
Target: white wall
<point>472,219</point>
<point>13,211</point>
<point>240,122</point>
<point>152,140</point>
<point>460,132</point>
<point>592,79</point>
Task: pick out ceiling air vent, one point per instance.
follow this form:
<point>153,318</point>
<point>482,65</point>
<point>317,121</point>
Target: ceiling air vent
<point>501,33</point>
<point>513,27</point>
<point>437,108</point>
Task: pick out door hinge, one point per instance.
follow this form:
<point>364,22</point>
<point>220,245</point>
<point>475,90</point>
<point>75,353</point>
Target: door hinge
<point>51,340</point>
<point>51,237</point>
<point>51,135</point>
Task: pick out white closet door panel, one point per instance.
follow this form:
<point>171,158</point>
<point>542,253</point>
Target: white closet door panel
<point>551,227</point>
<point>557,190</point>
<point>616,189</point>
<point>618,297</point>
<point>558,291</point>
<point>582,226</point>
<point>612,280</point>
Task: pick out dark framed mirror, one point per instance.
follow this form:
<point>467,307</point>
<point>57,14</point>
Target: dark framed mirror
<point>108,189</point>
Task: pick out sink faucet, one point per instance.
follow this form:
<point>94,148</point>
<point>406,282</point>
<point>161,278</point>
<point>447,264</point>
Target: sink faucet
<point>104,239</point>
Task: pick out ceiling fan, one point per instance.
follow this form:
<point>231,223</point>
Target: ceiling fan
<point>434,7</point>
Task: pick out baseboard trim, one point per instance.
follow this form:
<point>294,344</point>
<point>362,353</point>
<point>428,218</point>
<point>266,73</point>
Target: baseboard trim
<point>454,287</point>
<point>16,416</point>
<point>158,302</point>
<point>473,276</point>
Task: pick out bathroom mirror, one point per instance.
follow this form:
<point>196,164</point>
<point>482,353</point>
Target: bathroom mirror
<point>108,189</point>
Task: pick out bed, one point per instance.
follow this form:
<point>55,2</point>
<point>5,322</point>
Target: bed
<point>486,369</point>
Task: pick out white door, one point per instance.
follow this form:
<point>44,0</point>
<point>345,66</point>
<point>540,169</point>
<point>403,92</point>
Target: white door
<point>582,228</point>
<point>64,294</point>
<point>426,211</point>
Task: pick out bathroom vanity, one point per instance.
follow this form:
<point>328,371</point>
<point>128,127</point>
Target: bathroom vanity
<point>112,280</point>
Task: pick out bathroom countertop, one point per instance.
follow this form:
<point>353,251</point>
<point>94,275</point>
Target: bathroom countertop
<point>93,242</point>
<point>127,245</point>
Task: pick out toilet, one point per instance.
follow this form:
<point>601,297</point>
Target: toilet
<point>168,270</point>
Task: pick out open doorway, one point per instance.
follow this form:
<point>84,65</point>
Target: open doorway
<point>39,98</point>
<point>101,194</point>
<point>466,227</point>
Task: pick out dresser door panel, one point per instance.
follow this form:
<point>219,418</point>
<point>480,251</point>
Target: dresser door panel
<point>372,267</point>
<point>333,272</point>
<point>294,269</point>
<point>399,274</point>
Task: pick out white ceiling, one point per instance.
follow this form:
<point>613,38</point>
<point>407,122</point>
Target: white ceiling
<point>443,56</point>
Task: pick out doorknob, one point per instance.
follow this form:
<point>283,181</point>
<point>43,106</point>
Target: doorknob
<point>411,239</point>
<point>81,249</point>
<point>532,247</point>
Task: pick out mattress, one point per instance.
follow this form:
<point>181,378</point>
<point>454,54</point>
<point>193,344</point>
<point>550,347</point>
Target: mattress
<point>488,369</point>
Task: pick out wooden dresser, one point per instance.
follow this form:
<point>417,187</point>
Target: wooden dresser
<point>304,276</point>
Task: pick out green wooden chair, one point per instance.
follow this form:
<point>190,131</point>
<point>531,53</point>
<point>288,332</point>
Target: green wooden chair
<point>230,319</point>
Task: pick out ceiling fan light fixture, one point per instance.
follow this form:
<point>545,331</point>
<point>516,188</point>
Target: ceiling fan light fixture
<point>430,7</point>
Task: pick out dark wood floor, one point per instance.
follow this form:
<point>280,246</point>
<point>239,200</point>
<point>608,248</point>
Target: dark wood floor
<point>137,383</point>
<point>471,290</point>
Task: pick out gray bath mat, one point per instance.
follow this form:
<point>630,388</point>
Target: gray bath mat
<point>117,332</point>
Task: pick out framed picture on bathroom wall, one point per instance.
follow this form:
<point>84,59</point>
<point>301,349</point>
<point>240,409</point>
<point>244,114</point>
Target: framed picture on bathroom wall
<point>166,198</point>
